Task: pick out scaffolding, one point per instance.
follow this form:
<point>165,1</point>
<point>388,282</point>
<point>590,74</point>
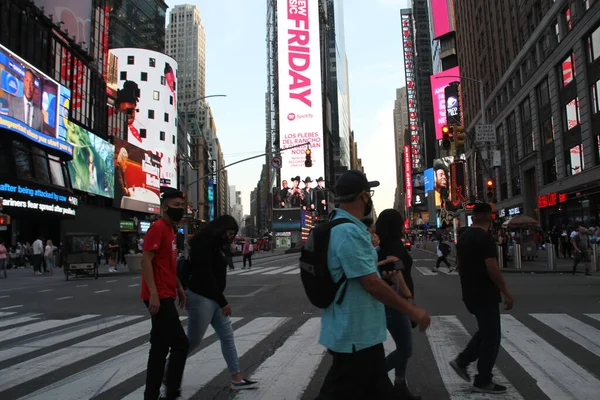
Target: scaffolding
<point>271,109</point>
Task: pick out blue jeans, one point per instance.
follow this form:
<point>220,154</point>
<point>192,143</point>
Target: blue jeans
<point>202,312</point>
<point>400,328</point>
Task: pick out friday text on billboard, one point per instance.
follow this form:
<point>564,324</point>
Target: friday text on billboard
<point>299,51</point>
<point>408,176</point>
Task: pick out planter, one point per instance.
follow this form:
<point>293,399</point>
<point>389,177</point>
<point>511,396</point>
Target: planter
<point>134,262</point>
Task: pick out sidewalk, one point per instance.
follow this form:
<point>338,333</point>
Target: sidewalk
<point>539,265</point>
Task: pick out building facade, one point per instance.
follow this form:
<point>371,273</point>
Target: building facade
<point>400,127</point>
<point>138,23</point>
<point>543,101</point>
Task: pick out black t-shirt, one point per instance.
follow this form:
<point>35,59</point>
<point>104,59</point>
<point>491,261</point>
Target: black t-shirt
<point>475,246</point>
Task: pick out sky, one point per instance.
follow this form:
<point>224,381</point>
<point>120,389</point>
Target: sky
<point>236,62</point>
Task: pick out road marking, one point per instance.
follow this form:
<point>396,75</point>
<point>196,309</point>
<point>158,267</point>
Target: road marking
<point>290,369</point>
<point>241,271</point>
<point>28,347</point>
<point>583,334</point>
<point>208,363</point>
<point>134,285</point>
<point>81,286</point>
<point>11,307</point>
<point>45,290</point>
<point>281,270</point>
<point>15,321</point>
<point>426,271</point>
<point>6,314</point>
<point>13,375</point>
<point>102,291</point>
<point>40,327</point>
<point>294,272</point>
<point>64,298</point>
<point>258,271</point>
<point>555,374</point>
<point>136,277</point>
<point>447,337</point>
<point>593,316</point>
<point>111,281</point>
<point>101,377</point>
<point>4,297</point>
<point>447,271</point>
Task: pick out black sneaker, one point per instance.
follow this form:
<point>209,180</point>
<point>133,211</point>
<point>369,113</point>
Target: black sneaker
<point>243,384</point>
<point>492,388</point>
<point>460,371</point>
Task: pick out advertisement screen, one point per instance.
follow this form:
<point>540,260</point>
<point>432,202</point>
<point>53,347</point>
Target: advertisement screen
<point>442,19</point>
<point>411,89</point>
<point>287,220</point>
<point>441,179</point>
<point>137,185</point>
<point>439,82</point>
<point>428,180</point>
<point>147,93</point>
<point>418,181</point>
<point>92,169</point>
<point>408,182</point>
<point>75,15</point>
<point>32,104</point>
<point>300,104</point>
<point>31,197</point>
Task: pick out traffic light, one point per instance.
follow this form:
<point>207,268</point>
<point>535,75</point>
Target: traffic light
<point>308,161</point>
<point>490,191</point>
<point>446,137</point>
<point>4,220</point>
<point>459,135</point>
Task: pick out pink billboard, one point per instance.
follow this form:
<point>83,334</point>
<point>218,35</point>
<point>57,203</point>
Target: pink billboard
<point>441,15</point>
<point>438,84</point>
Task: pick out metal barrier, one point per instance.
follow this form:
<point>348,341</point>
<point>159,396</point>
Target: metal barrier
<point>517,261</point>
<point>595,257</point>
<point>551,256</point>
<point>500,257</point>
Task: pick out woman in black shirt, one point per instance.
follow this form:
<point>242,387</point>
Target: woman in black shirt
<point>389,228</point>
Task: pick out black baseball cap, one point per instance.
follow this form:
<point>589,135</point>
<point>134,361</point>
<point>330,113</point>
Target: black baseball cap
<point>353,182</point>
<point>171,194</point>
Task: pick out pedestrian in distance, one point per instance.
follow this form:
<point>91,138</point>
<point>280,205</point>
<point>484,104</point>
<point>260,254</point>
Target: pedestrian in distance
<point>482,283</point>
<point>160,289</point>
<point>247,251</point>
<point>353,326</point>
<point>389,228</point>
<point>580,239</point>
<point>443,251</point>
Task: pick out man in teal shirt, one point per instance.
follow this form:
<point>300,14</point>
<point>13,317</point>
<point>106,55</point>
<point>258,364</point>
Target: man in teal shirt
<point>354,330</point>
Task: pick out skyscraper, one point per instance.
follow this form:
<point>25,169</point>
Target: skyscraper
<point>138,24</point>
<point>400,126</point>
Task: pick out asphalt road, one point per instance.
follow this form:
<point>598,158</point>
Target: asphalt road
<point>87,338</point>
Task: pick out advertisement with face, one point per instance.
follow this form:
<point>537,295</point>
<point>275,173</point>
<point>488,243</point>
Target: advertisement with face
<point>439,82</point>
<point>92,169</point>
<point>137,182</point>
<point>300,104</point>
<point>32,104</point>
<point>441,184</point>
<point>147,94</point>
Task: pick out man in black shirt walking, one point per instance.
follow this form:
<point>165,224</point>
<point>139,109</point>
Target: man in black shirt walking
<point>481,283</point>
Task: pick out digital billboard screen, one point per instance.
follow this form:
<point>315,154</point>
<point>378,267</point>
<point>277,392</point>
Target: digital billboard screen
<point>439,82</point>
<point>441,179</point>
<point>442,18</point>
<point>76,17</point>
<point>147,93</point>
<point>428,180</point>
<point>33,105</point>
<point>137,182</point>
<point>287,220</point>
<point>92,169</point>
<point>300,103</point>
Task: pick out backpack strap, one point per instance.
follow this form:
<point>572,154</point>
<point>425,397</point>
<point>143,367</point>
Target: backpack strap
<point>343,280</point>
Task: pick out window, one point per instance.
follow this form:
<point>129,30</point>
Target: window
<point>162,136</point>
<point>130,60</point>
<point>166,117</point>
<point>567,19</point>
<point>173,139</point>
<point>586,4</point>
<point>144,76</point>
<point>151,114</point>
<point>526,128</point>
<point>152,62</point>
<point>574,160</point>
<point>171,100</point>
<point>40,164</point>
<point>56,171</point>
<point>143,132</point>
<point>156,95</point>
<point>163,80</point>
<point>22,160</point>
<point>513,155</point>
<point>596,97</point>
<point>550,170</point>
<point>547,131</point>
<point>123,75</point>
<point>572,114</point>
<point>567,69</point>
<point>594,45</point>
<point>543,95</point>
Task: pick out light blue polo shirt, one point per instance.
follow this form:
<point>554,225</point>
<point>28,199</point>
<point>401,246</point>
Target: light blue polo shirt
<point>359,321</point>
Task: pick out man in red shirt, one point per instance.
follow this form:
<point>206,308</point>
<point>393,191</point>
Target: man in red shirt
<point>160,288</point>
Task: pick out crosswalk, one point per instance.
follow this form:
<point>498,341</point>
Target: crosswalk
<point>287,270</point>
<point>95,357</point>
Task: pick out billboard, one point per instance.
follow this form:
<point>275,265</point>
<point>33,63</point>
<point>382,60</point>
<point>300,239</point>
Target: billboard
<point>92,169</point>
<point>428,180</point>
<point>33,105</point>
<point>441,179</point>
<point>137,182</point>
<point>441,12</point>
<point>439,82</point>
<point>288,220</point>
<point>147,93</point>
<point>33,197</point>
<point>76,17</point>
<point>300,103</point>
<point>411,91</point>
<point>408,183</point>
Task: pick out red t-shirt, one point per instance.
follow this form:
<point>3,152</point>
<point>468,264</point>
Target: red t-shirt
<point>160,239</point>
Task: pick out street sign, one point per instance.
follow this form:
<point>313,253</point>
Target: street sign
<point>485,133</point>
<point>276,162</point>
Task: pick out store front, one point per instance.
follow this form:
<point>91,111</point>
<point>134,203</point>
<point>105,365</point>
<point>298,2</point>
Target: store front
<point>579,207</point>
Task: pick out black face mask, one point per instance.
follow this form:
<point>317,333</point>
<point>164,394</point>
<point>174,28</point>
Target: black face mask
<point>368,207</point>
<point>176,214</point>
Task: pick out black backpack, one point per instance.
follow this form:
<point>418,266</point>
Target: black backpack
<point>314,271</point>
<point>445,248</point>
<point>184,271</point>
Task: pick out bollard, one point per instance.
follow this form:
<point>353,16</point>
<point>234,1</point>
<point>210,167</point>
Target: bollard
<point>517,262</point>
<point>551,256</point>
<point>500,257</point>
<point>595,255</point>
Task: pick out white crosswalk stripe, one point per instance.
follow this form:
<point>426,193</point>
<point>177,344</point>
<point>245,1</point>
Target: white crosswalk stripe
<point>288,270</point>
<point>290,358</point>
